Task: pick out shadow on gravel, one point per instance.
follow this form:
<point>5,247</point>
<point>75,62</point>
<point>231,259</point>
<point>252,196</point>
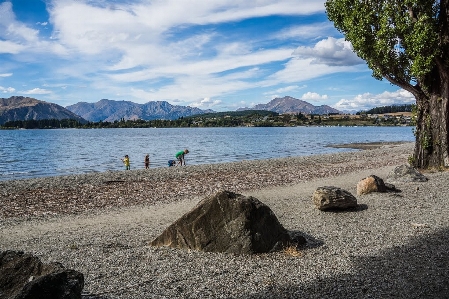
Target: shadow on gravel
<point>92,296</point>
<point>311,241</point>
<point>416,270</point>
<point>358,208</point>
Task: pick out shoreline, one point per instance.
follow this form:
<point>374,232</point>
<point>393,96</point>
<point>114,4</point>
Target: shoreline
<point>394,246</point>
<point>73,194</point>
<point>115,173</point>
<point>31,173</point>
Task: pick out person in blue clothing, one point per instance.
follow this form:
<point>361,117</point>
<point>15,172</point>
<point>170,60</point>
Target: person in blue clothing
<point>180,157</point>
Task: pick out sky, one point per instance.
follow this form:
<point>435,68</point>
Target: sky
<point>215,54</point>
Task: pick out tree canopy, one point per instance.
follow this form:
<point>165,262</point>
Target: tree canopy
<point>407,43</point>
<point>399,39</point>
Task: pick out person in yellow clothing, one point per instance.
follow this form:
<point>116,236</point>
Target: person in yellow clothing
<point>125,161</point>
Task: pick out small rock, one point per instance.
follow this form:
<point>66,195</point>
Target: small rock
<point>330,197</point>
<point>372,184</point>
<point>405,173</point>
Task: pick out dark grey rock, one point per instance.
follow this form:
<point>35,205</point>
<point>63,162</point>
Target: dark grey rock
<point>228,222</point>
<point>24,276</point>
<point>331,198</point>
<point>405,173</point>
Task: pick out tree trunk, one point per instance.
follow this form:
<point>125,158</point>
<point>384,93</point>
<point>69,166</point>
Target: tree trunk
<point>431,146</point>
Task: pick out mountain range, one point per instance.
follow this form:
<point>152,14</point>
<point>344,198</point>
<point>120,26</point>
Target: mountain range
<point>108,110</point>
<point>25,108</point>
<point>291,105</point>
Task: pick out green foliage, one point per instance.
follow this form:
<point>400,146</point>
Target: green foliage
<point>43,124</point>
<point>389,109</point>
<point>243,113</point>
<point>397,38</point>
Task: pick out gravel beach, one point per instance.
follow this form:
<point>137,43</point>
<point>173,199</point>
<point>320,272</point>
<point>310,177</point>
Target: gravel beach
<point>393,246</point>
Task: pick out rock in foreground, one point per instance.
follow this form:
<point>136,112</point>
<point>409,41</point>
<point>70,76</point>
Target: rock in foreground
<point>371,184</point>
<point>228,222</point>
<point>25,276</point>
<point>330,198</point>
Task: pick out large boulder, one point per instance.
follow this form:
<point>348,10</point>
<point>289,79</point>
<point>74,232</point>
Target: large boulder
<point>24,276</point>
<point>405,173</point>
<point>228,222</point>
<point>333,198</point>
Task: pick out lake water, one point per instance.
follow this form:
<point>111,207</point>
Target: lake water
<point>38,153</point>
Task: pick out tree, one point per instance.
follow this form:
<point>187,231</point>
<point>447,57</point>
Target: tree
<point>407,43</point>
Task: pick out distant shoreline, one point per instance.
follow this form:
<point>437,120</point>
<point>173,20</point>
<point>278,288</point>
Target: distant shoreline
<point>366,145</point>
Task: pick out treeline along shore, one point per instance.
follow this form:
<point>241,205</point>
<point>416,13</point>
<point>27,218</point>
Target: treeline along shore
<point>248,118</point>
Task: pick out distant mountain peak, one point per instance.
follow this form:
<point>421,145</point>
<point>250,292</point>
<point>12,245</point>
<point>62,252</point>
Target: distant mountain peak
<point>26,108</point>
<point>289,104</point>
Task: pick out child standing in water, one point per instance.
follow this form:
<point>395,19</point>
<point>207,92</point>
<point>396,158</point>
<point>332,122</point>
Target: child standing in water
<point>125,161</point>
<point>147,161</point>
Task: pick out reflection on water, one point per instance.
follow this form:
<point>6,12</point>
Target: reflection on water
<point>36,153</point>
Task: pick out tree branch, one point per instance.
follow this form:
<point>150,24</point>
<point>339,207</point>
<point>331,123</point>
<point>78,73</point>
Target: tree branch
<point>413,89</point>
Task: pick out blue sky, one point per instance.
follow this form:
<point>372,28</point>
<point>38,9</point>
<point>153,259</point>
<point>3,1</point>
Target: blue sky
<point>215,54</point>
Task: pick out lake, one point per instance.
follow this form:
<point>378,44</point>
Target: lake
<point>38,153</point>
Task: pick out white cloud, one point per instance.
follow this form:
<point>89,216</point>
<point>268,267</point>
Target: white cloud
<point>310,31</point>
<point>37,91</point>
<point>367,101</point>
<point>205,103</point>
<point>8,47</point>
<point>6,75</point>
<point>206,66</point>
<point>6,14</point>
<point>144,50</point>
<point>288,89</point>
<point>283,91</point>
<point>7,89</point>
<point>299,70</point>
<point>139,34</point>
<point>19,38</point>
<point>10,29</point>
<point>313,96</point>
<point>331,52</point>
<point>23,32</point>
<point>181,89</point>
